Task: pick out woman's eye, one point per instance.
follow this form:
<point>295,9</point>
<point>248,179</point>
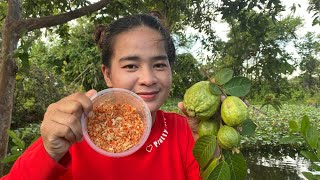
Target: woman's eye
<point>160,65</point>
<point>130,66</point>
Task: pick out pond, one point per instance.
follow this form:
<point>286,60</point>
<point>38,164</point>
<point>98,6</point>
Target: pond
<point>275,165</point>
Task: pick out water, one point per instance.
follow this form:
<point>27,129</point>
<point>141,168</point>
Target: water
<point>275,165</point>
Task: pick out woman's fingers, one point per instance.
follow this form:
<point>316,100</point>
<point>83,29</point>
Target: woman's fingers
<point>61,126</point>
<point>84,105</point>
<point>182,109</point>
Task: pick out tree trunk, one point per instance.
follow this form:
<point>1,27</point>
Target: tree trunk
<point>8,68</point>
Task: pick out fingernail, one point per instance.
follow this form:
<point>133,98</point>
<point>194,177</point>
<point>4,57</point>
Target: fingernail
<point>90,114</point>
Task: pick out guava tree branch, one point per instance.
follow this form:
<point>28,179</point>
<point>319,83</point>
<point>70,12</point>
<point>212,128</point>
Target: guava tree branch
<point>49,21</point>
<point>2,18</point>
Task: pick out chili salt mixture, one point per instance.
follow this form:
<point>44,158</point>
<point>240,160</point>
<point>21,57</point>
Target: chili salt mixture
<point>115,127</point>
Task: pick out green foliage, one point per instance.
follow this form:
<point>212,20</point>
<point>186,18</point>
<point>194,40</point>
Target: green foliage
<point>310,136</point>
<point>271,100</point>
<point>273,126</point>
<point>21,138</point>
<point>231,163</point>
<point>34,91</point>
<point>171,105</point>
<point>237,86</point>
<point>309,51</point>
<point>204,149</point>
<point>256,51</point>
<point>76,60</point>
<point>223,82</point>
<point>185,73</point>
<point>215,89</point>
<point>237,165</point>
<point>38,8</point>
<point>223,76</point>
<point>221,172</point>
<point>248,128</point>
<point>315,8</point>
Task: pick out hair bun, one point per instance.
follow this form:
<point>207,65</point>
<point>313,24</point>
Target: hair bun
<point>159,17</point>
<point>99,34</point>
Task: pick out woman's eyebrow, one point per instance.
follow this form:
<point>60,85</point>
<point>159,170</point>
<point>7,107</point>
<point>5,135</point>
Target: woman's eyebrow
<point>160,57</point>
<point>130,58</point>
<point>136,58</point>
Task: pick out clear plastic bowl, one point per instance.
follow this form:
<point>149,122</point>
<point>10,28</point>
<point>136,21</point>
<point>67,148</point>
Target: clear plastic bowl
<point>118,96</point>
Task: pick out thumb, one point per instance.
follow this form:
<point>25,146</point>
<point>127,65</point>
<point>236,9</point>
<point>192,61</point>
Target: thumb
<point>91,93</point>
<point>182,109</point>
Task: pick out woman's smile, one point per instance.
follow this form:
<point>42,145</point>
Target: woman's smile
<point>148,95</point>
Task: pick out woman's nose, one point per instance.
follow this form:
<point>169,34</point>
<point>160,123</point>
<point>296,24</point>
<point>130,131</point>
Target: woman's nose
<point>147,77</point>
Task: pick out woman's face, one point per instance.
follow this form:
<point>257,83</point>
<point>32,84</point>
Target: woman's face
<point>140,64</point>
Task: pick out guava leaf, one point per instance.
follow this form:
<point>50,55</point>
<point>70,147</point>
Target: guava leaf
<point>312,136</point>
<point>209,169</point>
<point>237,165</point>
<point>314,166</point>
<point>290,140</point>
<point>294,126</point>
<point>221,172</point>
<point>248,127</point>
<point>223,76</point>
<point>309,175</point>
<point>214,89</point>
<point>305,124</point>
<point>204,149</point>
<point>237,86</point>
<point>16,140</point>
<point>309,155</point>
<point>10,158</point>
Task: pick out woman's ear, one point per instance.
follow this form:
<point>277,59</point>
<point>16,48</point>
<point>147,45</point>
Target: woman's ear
<point>107,75</point>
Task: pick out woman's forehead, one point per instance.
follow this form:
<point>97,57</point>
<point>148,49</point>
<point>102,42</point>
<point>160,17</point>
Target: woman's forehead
<point>141,41</point>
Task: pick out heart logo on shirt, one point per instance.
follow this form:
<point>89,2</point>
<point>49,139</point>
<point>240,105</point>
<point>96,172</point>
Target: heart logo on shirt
<point>149,148</point>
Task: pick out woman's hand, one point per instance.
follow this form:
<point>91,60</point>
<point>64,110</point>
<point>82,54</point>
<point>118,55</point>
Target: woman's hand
<point>193,122</point>
<point>61,126</point>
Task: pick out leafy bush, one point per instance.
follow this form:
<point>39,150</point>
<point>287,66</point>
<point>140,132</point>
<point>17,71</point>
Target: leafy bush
<point>305,132</point>
<point>186,72</point>
<point>272,126</point>
<point>34,91</point>
<point>20,140</point>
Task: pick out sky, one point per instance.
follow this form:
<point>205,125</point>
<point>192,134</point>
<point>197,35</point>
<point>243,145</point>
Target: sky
<point>222,28</point>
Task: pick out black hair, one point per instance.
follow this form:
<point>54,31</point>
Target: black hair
<point>105,35</point>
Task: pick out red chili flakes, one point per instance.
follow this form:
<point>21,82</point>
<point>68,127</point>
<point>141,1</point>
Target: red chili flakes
<point>115,127</point>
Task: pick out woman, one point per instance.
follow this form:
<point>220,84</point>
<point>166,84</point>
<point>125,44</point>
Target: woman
<point>137,54</point>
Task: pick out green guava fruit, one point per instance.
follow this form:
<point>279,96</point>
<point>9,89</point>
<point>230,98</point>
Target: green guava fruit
<point>208,127</point>
<point>199,102</point>
<point>228,137</point>
<point>234,111</point>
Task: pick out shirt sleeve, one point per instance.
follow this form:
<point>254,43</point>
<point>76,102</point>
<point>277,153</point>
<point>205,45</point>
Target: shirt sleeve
<point>35,163</point>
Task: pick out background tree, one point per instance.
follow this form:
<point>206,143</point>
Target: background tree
<point>18,22</point>
<point>309,51</point>
<point>186,72</point>
<point>314,7</point>
<point>259,51</point>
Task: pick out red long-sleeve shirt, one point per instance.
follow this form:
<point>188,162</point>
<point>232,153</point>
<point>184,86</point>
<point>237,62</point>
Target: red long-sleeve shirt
<point>167,154</point>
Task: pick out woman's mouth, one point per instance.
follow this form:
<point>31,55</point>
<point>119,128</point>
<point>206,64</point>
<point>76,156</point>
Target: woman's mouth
<point>148,96</point>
